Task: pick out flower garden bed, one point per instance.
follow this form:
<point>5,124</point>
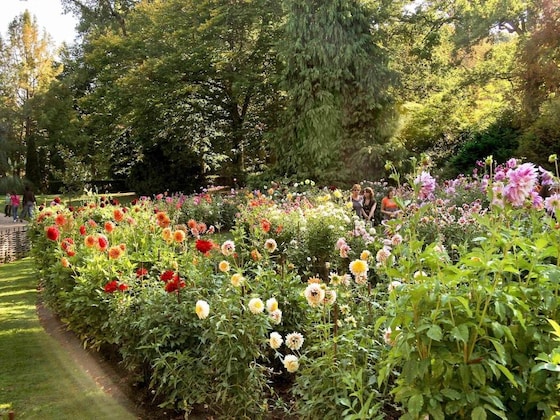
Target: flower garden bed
<point>254,303</point>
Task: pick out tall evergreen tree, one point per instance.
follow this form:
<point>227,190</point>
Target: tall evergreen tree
<point>336,79</point>
<point>27,68</point>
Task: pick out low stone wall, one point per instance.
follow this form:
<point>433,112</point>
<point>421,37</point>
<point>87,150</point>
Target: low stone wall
<point>14,243</point>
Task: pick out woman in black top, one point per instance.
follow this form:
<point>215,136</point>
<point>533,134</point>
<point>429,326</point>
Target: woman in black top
<point>368,205</point>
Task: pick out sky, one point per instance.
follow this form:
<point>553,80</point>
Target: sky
<point>49,17</point>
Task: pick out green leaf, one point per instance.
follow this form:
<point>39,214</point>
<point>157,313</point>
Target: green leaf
<point>460,333</point>
<point>508,375</point>
<point>415,404</point>
<point>451,394</point>
<point>546,366</point>
<point>478,413</point>
<point>465,304</point>
<point>435,333</point>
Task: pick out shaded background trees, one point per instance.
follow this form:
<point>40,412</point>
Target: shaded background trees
<point>174,95</point>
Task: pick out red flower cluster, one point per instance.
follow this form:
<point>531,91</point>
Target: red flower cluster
<point>53,233</point>
<point>166,275</point>
<point>67,245</point>
<point>204,246</point>
<point>172,281</point>
<point>141,272</point>
<point>115,285</point>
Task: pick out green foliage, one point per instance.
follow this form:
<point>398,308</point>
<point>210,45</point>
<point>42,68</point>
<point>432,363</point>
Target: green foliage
<point>444,309</point>
<point>543,135</point>
<point>466,336</point>
<point>8,184</point>
<point>336,79</point>
<point>499,140</point>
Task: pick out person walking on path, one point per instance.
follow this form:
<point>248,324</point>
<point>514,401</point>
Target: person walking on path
<point>15,204</point>
<point>28,203</point>
<point>8,207</point>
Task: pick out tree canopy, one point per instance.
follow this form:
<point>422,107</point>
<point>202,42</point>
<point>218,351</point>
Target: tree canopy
<point>173,95</point>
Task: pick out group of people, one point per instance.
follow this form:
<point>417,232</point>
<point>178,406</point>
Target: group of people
<point>364,204</point>
<point>13,203</point>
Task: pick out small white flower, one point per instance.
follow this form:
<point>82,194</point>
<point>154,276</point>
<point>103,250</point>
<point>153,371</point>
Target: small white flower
<point>276,316</point>
<point>291,363</point>
<point>256,306</point>
<point>275,340</point>
<point>420,274</point>
<point>202,309</point>
<point>271,304</point>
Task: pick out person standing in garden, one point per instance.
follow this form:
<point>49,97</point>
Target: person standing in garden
<point>14,199</point>
<point>389,208</point>
<point>356,199</point>
<point>28,203</point>
<point>8,206</point>
<point>368,205</point>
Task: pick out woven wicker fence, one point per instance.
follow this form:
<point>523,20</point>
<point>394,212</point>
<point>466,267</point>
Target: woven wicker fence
<point>14,243</point>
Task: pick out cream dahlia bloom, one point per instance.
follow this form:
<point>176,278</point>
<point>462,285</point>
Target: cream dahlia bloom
<point>276,316</point>
<point>291,363</point>
<point>270,245</point>
<point>315,294</point>
<point>202,309</point>
<point>383,255</point>
<point>275,340</point>
<point>330,296</point>
<point>365,255</point>
<point>396,239</point>
<point>228,248</point>
<point>361,279</point>
<point>223,266</point>
<point>294,341</point>
<point>256,306</point>
<point>271,304</point>
<point>237,279</point>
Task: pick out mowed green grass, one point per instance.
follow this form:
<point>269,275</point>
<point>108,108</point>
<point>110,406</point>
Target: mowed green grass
<point>38,378</point>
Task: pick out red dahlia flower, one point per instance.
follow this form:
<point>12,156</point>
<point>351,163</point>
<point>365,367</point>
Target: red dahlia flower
<point>167,275</point>
<point>141,272</point>
<point>102,242</point>
<point>204,246</point>
<point>111,286</point>
<point>265,225</point>
<point>174,284</point>
<point>66,242</point>
<point>118,214</point>
<point>53,233</point>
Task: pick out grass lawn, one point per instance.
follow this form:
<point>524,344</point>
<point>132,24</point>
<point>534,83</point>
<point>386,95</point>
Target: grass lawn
<point>38,378</point>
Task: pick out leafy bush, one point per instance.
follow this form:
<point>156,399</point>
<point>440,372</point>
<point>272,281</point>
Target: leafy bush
<point>303,308</point>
